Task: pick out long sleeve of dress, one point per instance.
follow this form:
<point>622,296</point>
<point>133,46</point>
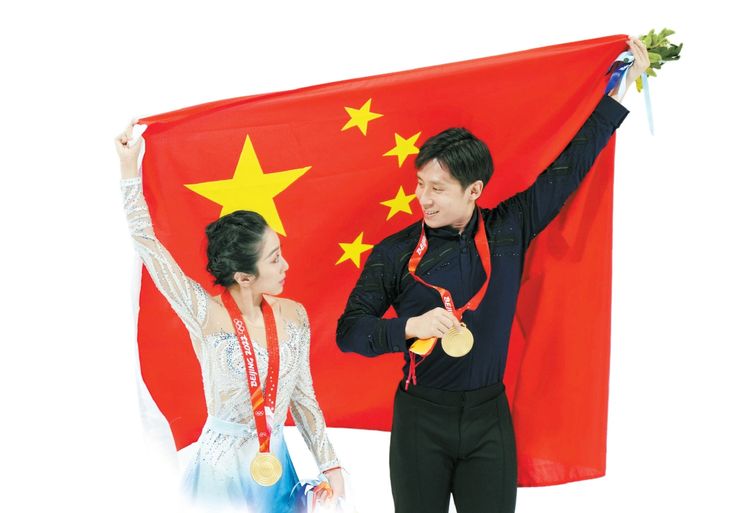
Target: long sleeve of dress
<point>186,297</point>
<point>305,408</point>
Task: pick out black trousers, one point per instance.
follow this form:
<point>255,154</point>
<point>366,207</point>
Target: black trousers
<point>452,442</point>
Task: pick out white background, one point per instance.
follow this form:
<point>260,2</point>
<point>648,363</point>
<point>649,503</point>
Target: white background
<point>74,74</point>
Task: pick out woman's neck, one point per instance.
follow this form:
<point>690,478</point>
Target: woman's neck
<point>248,302</point>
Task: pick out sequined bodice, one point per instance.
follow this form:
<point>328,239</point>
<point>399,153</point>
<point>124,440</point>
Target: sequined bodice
<point>223,373</point>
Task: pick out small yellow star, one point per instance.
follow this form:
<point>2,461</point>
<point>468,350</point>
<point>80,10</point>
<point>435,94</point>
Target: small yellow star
<point>250,188</point>
<point>361,117</point>
<point>404,148</point>
<point>353,250</point>
<point>401,203</point>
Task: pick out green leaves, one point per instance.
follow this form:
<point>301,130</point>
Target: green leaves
<point>660,51</point>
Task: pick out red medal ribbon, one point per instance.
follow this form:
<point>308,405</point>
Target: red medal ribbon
<point>252,377</point>
<point>483,249</point>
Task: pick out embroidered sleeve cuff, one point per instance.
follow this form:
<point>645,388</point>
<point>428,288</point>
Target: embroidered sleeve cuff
<point>127,182</point>
<point>329,465</point>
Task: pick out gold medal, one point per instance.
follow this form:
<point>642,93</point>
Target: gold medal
<point>458,342</point>
<point>266,469</point>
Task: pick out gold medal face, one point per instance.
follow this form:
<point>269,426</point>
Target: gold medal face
<point>266,469</point>
<point>458,342</point>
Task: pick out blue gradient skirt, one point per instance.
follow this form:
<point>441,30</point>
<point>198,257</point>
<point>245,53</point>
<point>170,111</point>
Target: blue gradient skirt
<point>219,475</point>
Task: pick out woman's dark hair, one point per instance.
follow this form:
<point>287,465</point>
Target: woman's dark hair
<point>460,153</point>
<point>234,244</point>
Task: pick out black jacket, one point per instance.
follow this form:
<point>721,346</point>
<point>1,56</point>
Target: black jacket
<point>452,262</point>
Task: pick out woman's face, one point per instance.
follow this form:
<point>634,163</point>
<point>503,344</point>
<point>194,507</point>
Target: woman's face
<point>271,266</point>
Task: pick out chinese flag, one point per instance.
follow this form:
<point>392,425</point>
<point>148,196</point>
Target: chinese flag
<point>330,167</point>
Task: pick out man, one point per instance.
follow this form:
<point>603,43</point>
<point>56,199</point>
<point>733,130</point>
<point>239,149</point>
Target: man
<point>452,432</point>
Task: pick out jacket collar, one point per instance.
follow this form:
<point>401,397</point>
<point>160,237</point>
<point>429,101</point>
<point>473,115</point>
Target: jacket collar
<point>449,232</point>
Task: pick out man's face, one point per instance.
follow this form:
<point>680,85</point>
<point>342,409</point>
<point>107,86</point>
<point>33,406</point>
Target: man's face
<point>442,198</point>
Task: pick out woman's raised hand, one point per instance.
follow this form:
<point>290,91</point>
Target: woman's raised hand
<point>128,151</point>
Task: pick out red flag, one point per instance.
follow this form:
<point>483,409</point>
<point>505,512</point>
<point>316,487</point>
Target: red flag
<point>331,169</point>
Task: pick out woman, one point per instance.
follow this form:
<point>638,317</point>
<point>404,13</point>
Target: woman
<point>244,256</point>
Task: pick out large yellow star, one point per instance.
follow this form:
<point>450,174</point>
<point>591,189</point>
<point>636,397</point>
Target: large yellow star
<point>250,188</point>
<point>361,117</point>
<point>404,148</point>
<point>353,250</point>
<point>401,203</point>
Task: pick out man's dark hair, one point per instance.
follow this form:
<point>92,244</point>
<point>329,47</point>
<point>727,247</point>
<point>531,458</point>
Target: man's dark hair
<point>460,153</point>
<point>234,243</point>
